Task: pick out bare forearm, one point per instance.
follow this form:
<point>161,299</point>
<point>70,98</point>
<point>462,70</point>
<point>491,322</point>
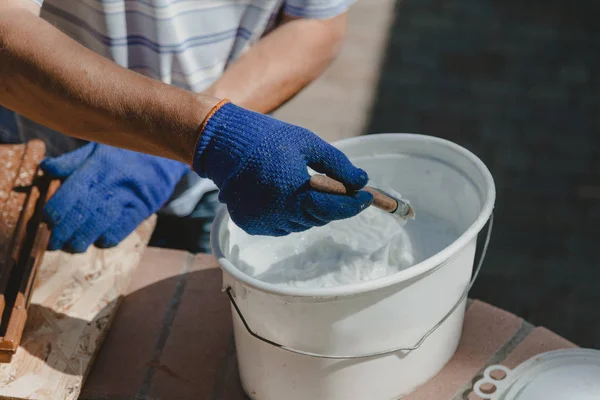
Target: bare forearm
<point>282,63</point>
<point>51,79</point>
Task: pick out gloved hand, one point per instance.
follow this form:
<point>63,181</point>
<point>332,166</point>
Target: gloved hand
<point>107,193</point>
<point>260,166</point>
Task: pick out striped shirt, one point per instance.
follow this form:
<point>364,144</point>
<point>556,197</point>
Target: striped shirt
<point>187,43</point>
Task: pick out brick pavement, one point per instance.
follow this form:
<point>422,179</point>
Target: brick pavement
<point>172,339</point>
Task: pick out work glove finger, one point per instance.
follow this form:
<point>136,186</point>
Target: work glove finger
<point>131,217</point>
<point>68,223</point>
<point>66,164</point>
<point>329,207</point>
<point>326,159</point>
<point>92,229</point>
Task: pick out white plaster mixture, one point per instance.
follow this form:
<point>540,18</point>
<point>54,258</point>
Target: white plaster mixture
<point>372,245</point>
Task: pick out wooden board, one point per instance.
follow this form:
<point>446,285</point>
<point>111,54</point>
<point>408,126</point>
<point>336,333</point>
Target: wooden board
<point>74,300</point>
<point>18,195</point>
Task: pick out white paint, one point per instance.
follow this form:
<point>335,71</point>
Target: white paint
<point>370,246</point>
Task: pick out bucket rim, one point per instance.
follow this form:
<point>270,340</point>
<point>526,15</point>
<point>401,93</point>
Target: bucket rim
<point>416,270</point>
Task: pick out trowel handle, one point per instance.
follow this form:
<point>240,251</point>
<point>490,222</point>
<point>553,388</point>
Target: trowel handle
<point>325,184</point>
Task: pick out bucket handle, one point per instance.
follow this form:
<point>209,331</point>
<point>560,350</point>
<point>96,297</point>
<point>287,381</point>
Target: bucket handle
<point>464,295</point>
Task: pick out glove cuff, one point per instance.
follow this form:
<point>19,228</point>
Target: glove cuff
<point>201,144</point>
<point>228,134</point>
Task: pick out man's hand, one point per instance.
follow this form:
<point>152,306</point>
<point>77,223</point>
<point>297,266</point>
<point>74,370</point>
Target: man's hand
<point>107,193</point>
<point>260,166</point>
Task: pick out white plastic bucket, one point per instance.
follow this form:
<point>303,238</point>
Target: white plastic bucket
<point>375,340</point>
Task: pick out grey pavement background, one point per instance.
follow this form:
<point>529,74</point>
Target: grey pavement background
<point>517,83</point>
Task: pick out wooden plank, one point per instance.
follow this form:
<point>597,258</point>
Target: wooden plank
<point>74,300</point>
<point>20,165</point>
<point>32,246</point>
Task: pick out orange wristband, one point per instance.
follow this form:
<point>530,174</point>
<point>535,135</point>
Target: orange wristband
<point>210,114</point>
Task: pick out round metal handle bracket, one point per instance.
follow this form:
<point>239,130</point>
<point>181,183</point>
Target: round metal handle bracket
<point>464,295</point>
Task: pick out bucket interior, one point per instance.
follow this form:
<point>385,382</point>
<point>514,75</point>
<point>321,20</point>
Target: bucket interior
<point>438,178</point>
<point>447,186</point>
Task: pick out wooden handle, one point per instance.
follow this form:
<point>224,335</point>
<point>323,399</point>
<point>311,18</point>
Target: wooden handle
<point>326,184</point>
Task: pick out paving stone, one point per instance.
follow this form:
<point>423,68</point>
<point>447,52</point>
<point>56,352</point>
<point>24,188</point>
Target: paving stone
<point>199,338</point>
<point>132,338</point>
<point>486,330</point>
<point>540,341</point>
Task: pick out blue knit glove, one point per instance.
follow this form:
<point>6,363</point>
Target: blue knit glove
<point>107,193</point>
<point>260,166</point>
